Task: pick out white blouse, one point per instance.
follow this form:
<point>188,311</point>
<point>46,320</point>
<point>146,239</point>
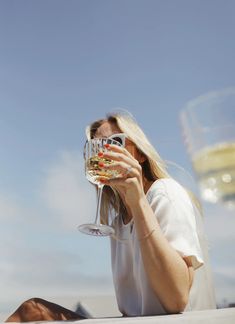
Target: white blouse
<point>181,223</point>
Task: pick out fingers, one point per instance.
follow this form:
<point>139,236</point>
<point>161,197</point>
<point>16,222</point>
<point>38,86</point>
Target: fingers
<point>120,156</point>
<point>124,169</point>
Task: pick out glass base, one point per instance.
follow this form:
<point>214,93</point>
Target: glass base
<point>96,230</point>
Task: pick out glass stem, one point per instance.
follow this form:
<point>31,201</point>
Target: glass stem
<point>99,195</point>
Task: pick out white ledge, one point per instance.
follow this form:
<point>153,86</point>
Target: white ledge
<point>216,316</point>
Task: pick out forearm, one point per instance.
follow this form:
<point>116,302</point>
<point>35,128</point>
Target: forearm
<point>167,272</point>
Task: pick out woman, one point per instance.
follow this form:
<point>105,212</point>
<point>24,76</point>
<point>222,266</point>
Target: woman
<point>159,254</point>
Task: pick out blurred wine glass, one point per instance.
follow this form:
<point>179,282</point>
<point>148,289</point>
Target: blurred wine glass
<point>208,125</point>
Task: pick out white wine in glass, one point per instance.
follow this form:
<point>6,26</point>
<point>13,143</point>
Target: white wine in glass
<point>94,172</point>
<point>215,168</point>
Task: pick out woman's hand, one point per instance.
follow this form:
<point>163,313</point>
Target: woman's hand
<point>129,183</point>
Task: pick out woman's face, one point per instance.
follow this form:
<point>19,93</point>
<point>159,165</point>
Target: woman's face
<point>107,129</point>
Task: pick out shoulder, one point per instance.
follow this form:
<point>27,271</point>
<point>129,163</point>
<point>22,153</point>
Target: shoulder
<point>168,194</point>
<point>168,188</point>
<point>172,204</point>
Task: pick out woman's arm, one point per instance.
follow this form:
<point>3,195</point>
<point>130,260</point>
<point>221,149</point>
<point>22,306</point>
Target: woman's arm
<point>169,274</point>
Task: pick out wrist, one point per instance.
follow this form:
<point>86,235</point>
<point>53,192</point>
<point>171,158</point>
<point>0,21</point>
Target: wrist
<point>137,203</point>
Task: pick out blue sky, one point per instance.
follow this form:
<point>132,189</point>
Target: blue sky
<point>64,63</point>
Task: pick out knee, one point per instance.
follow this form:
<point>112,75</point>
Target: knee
<point>30,310</point>
<point>27,311</point>
<point>29,305</point>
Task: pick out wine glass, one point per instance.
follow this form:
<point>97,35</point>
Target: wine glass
<point>208,124</point>
<point>93,172</point>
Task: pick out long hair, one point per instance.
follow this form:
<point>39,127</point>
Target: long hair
<point>153,167</point>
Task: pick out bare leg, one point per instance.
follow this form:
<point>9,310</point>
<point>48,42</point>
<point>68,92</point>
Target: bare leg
<point>37,309</point>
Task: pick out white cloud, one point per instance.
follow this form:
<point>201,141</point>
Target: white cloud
<point>219,222</point>
<point>224,285</point>
<point>220,229</point>
<point>10,214</point>
<point>8,210</point>
<point>227,272</point>
<point>66,191</point>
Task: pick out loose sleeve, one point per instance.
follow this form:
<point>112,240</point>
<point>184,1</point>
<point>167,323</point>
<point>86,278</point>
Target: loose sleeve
<point>176,217</point>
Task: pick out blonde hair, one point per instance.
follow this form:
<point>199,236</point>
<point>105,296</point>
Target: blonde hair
<point>153,167</point>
